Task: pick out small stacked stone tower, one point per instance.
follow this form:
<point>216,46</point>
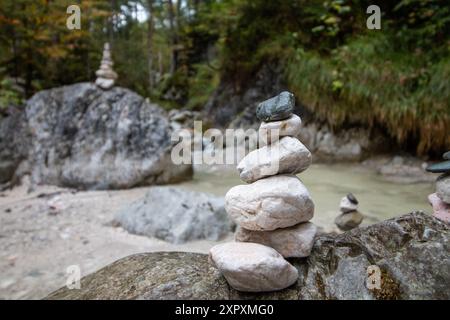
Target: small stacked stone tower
<point>272,211</point>
<point>106,75</point>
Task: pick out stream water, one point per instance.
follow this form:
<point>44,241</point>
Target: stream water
<point>379,199</point>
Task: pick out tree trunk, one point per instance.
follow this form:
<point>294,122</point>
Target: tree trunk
<point>150,30</point>
<point>174,38</point>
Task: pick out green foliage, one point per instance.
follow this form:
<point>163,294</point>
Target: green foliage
<point>201,86</point>
<point>9,94</point>
<point>369,83</point>
<point>395,78</point>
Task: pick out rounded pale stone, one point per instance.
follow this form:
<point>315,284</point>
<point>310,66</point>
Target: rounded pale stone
<point>271,203</point>
<point>287,155</point>
<point>288,127</point>
<point>106,73</point>
<point>347,206</point>
<point>348,221</point>
<point>441,210</point>
<point>252,267</point>
<point>104,83</point>
<point>443,187</point>
<point>296,241</point>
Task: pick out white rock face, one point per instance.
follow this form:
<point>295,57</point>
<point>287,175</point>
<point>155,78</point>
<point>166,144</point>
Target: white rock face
<point>443,187</point>
<point>296,241</point>
<point>346,206</point>
<point>104,83</point>
<point>288,155</point>
<point>252,267</point>
<point>271,203</point>
<point>288,127</point>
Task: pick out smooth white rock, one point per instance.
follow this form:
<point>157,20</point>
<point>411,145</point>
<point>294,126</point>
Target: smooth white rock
<point>287,127</point>
<point>252,267</point>
<point>296,241</point>
<point>346,206</point>
<point>287,155</point>
<point>106,74</point>
<point>443,187</point>
<point>104,83</point>
<point>271,203</point>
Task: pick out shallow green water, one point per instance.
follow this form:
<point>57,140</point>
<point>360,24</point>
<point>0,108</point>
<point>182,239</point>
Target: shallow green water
<point>379,199</point>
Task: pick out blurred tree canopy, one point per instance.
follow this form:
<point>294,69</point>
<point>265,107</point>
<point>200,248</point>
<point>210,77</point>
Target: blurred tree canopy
<point>178,51</point>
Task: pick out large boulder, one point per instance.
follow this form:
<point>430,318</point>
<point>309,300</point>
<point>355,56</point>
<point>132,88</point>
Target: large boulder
<point>411,252</point>
<point>14,143</point>
<point>176,215</point>
<point>84,137</point>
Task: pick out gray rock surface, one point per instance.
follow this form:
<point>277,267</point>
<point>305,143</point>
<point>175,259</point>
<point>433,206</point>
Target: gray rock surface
<point>235,107</point>
<point>176,215</point>
<point>14,143</point>
<point>411,252</point>
<point>84,137</point>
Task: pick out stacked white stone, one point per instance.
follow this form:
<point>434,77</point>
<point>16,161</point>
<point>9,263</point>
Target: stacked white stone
<point>106,75</point>
<point>272,211</point>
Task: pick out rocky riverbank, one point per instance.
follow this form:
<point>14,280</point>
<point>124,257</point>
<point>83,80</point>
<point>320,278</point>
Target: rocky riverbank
<point>406,250</point>
<point>44,231</point>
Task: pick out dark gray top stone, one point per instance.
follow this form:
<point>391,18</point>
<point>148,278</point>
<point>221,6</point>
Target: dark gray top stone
<point>439,167</point>
<point>352,198</point>
<point>277,108</point>
<point>446,155</point>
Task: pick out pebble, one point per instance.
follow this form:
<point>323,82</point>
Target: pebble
<point>348,221</point>
<point>443,187</point>
<point>288,127</point>
<point>275,202</point>
<point>296,241</point>
<point>252,267</point>
<point>441,210</point>
<point>279,107</point>
<point>287,155</point>
<point>439,167</point>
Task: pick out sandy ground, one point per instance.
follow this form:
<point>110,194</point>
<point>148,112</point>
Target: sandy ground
<point>45,231</point>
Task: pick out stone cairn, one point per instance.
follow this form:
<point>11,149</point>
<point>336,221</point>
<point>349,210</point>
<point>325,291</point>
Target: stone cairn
<point>350,217</point>
<point>106,75</point>
<point>272,211</point>
<point>440,200</point>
